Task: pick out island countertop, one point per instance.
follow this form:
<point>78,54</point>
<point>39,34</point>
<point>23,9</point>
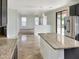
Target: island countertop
<point>7,47</point>
<point>58,41</point>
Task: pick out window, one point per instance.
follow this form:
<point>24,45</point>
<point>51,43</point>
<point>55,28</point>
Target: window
<point>44,20</point>
<point>23,21</point>
<point>36,20</point>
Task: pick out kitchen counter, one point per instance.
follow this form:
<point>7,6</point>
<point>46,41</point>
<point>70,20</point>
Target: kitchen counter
<point>7,48</point>
<point>58,47</point>
<point>59,41</point>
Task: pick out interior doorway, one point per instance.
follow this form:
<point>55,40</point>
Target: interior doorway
<point>60,21</point>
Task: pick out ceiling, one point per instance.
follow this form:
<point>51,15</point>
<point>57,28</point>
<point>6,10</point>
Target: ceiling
<point>35,6</point>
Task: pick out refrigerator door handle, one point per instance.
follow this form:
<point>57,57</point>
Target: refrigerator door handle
<point>65,27</point>
<point>68,23</point>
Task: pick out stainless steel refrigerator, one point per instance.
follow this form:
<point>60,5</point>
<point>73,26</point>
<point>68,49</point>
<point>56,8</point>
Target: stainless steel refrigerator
<point>71,26</point>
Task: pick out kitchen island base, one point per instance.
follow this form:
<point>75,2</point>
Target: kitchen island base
<point>54,46</point>
<point>49,53</point>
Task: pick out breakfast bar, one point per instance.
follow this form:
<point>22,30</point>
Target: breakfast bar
<point>54,46</point>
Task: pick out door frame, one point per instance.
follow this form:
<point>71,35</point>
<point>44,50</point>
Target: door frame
<point>60,16</point>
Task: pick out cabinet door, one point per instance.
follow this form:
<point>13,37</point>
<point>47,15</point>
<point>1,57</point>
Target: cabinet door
<point>53,54</point>
<point>49,53</point>
<point>44,49</point>
<point>73,10</point>
<point>4,12</point>
<point>77,9</point>
<point>0,12</point>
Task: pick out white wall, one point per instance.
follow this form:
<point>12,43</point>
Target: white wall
<point>13,23</point>
<point>51,20</point>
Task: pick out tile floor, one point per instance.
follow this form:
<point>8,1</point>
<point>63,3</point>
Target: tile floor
<point>29,47</point>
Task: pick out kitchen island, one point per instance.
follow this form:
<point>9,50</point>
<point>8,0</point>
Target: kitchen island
<point>54,46</point>
<point>8,48</point>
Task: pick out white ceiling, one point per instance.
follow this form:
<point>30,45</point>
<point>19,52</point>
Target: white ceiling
<point>35,6</point>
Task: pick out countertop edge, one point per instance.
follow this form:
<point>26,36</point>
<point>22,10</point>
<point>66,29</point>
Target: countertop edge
<point>57,48</point>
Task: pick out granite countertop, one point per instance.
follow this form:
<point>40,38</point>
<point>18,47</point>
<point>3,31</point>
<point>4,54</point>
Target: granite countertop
<point>59,42</point>
<point>7,47</point>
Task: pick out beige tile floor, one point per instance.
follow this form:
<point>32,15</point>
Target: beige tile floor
<point>28,47</point>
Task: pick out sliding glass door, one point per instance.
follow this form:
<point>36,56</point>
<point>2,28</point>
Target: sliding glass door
<point>60,21</point>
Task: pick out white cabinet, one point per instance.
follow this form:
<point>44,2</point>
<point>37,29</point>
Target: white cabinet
<point>49,53</point>
<point>44,49</point>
